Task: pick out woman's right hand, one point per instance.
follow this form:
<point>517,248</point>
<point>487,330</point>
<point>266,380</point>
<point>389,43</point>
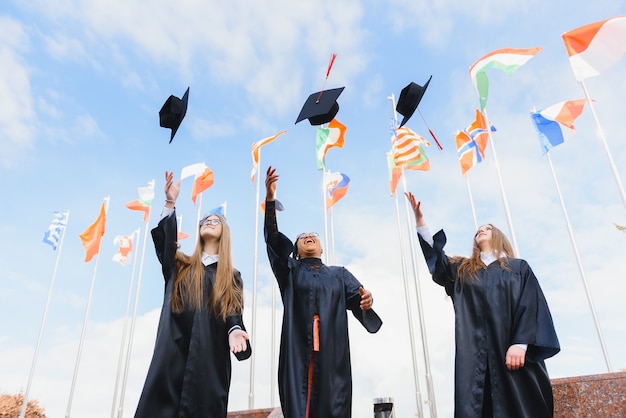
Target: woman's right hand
<point>171,189</point>
<point>417,210</point>
<point>270,184</point>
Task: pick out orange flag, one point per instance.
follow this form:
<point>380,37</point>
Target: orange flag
<point>92,236</point>
<point>201,183</point>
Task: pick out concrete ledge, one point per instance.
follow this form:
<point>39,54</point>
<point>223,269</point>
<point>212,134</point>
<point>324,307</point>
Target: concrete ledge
<point>601,395</point>
<point>256,413</point>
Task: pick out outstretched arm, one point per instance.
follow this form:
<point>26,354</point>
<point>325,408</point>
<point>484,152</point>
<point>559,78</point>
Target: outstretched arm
<point>171,190</point>
<point>417,210</point>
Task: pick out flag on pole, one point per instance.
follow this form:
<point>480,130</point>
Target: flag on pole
<point>255,151</point>
<point>326,138</point>
<point>53,235</point>
<point>146,196</point>
<point>555,124</point>
<point>125,243</point>
<point>395,173</point>
<point>219,210</point>
<point>203,178</point>
<point>406,146</point>
<point>470,153</point>
<point>594,48</point>
<point>507,60</point>
<point>336,187</point>
<point>92,236</point>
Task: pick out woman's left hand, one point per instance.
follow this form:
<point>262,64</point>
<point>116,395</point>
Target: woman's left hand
<point>366,299</point>
<point>237,340</point>
<point>515,358</point>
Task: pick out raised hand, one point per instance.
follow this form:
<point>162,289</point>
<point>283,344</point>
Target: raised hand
<point>171,189</point>
<point>271,178</point>
<point>417,210</point>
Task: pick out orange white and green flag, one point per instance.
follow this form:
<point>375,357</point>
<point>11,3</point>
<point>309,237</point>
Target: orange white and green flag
<point>256,148</point>
<point>92,236</point>
<point>146,196</point>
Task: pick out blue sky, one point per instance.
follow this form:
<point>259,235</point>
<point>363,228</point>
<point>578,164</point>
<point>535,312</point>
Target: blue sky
<point>80,89</point>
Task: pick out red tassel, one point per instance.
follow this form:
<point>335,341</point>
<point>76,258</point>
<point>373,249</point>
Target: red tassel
<point>330,65</point>
<point>435,138</point>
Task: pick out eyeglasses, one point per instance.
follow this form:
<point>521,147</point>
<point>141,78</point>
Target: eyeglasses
<point>307,235</point>
<point>210,221</point>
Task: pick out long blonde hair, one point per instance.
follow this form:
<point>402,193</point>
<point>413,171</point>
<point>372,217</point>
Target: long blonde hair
<point>227,293</point>
<point>468,267</point>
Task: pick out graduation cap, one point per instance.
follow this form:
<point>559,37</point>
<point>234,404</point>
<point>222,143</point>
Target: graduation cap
<point>320,107</point>
<point>410,97</point>
<point>172,113</point>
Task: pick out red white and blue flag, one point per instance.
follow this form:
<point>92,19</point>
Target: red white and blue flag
<point>555,124</point>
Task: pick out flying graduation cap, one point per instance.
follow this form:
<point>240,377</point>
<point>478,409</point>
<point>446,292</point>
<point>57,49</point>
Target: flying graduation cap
<point>410,97</point>
<point>172,113</point>
<point>320,107</point>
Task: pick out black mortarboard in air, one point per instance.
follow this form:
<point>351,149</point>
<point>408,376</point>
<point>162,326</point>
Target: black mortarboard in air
<point>320,107</point>
<point>410,97</point>
<point>173,111</point>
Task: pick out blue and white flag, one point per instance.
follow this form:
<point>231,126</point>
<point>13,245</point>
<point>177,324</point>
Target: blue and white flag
<point>53,235</point>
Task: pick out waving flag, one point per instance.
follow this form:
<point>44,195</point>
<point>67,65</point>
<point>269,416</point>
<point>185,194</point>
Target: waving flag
<point>256,147</point>
<point>203,178</point>
<point>406,146</point>
<point>507,60</point>
<point>395,173</point>
<point>92,236</point>
<point>595,47</point>
<point>555,124</point>
<point>125,243</point>
<point>470,153</point>
<point>53,235</point>
<point>146,196</point>
<point>332,136</point>
<point>336,187</point>
<point>219,210</point>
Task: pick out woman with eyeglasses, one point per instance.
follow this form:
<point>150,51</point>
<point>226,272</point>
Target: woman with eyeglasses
<point>314,372</point>
<point>503,327</point>
<point>200,324</point>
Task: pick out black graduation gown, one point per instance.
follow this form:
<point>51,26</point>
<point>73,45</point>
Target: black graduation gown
<point>492,313</point>
<point>189,375</point>
<point>334,291</point>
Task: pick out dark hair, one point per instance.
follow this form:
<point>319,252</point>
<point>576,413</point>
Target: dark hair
<point>295,250</point>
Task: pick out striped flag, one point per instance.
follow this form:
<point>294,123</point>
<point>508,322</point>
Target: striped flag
<point>406,146</point>
<point>594,48</point>
<point>256,147</point>
<point>507,60</point>
<point>555,124</point>
<point>52,236</point>
<point>326,138</point>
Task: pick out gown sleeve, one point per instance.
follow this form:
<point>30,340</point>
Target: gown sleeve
<point>237,320</point>
<point>279,247</point>
<point>533,323</point>
<point>164,237</point>
<point>368,318</point>
<point>438,262</point>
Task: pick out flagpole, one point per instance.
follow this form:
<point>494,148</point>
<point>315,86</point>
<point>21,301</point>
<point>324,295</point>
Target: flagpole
<point>326,257</point>
<point>198,215</point>
<point>43,320</point>
<point>580,268</point>
<point>616,176</point>
<point>469,192</point>
<point>120,361</point>
<point>429,379</point>
<point>418,394</point>
<point>131,333</point>
<point>502,192</point>
<point>254,274</point>
<point>332,236</point>
<point>82,334</point>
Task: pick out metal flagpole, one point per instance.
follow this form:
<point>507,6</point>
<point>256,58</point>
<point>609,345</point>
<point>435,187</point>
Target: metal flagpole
<point>332,236</point>
<point>429,379</point>
<point>131,334</point>
<point>273,347</point>
<point>616,176</point>
<point>418,394</point>
<point>469,192</point>
<point>43,321</point>
<point>82,334</point>
<point>504,199</point>
<point>580,268</point>
<point>325,257</point>
<point>254,275</point>
<point>120,360</point>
